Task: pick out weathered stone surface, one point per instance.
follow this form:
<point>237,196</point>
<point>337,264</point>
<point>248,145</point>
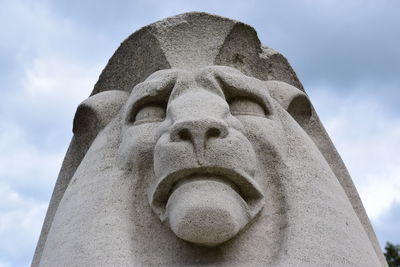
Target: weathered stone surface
<point>199,146</point>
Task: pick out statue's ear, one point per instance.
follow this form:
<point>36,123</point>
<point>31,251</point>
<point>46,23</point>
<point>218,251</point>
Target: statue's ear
<point>94,113</point>
<point>294,101</point>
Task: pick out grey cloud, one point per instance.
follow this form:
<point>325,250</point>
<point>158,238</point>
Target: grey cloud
<point>341,43</point>
<point>387,227</point>
<point>347,47</point>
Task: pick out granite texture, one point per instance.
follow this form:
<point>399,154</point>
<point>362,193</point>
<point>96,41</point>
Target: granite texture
<point>199,146</point>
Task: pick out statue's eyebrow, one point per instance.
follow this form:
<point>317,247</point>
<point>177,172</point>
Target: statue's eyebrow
<point>234,84</point>
<point>156,91</point>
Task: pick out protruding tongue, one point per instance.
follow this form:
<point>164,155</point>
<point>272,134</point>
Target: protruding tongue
<point>207,212</point>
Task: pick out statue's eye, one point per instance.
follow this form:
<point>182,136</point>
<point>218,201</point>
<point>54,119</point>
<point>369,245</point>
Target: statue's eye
<point>150,113</point>
<point>247,106</point>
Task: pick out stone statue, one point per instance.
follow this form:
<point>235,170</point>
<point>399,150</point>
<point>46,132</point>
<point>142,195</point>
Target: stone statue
<point>199,146</point>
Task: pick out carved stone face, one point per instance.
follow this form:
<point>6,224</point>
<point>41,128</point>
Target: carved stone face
<point>202,130</point>
<point>174,163</point>
<point>212,157</point>
<point>179,160</point>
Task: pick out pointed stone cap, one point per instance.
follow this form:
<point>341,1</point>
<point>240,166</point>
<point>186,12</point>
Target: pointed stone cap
<point>191,41</point>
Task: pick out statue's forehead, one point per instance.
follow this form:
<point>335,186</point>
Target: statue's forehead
<point>200,72</point>
<point>213,78</point>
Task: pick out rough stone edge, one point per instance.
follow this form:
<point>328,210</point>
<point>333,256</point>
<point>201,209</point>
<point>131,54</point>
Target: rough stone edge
<point>277,67</point>
<point>320,137</point>
<point>112,76</point>
<point>328,150</point>
<point>77,149</point>
<point>70,163</point>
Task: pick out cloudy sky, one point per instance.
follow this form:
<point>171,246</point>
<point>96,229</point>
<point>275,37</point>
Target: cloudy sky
<point>346,53</point>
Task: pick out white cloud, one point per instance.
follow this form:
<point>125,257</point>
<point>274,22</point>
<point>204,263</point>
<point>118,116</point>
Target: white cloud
<point>30,160</point>
<point>368,139</point>
<point>20,224</point>
<point>25,167</point>
<point>37,121</point>
<point>57,61</point>
<point>5,264</point>
<point>49,80</point>
<point>33,28</point>
<point>58,82</point>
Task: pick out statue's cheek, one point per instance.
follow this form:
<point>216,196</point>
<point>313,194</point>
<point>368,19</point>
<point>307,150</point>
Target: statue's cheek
<point>266,135</point>
<point>137,145</point>
<point>172,156</point>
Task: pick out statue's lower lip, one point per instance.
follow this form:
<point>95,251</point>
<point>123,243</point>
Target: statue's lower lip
<point>239,181</point>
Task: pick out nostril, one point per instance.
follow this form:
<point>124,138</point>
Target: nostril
<point>198,131</point>
<point>213,132</point>
<point>184,135</point>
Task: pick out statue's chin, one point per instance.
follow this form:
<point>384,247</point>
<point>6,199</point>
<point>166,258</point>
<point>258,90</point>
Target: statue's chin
<point>206,211</point>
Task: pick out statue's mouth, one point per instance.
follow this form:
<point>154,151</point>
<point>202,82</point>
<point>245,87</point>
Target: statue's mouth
<point>240,182</point>
<point>208,205</point>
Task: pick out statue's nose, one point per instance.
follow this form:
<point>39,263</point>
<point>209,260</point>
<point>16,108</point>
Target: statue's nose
<point>198,132</point>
